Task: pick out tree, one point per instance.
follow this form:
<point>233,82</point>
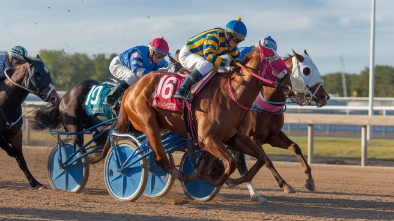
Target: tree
<point>359,83</point>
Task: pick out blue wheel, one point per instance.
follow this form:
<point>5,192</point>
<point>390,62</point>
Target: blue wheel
<point>129,184</point>
<point>159,182</point>
<point>72,178</point>
<point>198,189</point>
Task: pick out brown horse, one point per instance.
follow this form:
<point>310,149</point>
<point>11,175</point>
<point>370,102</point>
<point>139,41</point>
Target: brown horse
<point>217,112</point>
<point>267,122</point>
<point>31,77</point>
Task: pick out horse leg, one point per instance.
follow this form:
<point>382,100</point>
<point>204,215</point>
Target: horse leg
<point>73,123</point>
<point>16,144</point>
<point>247,146</point>
<point>152,133</point>
<point>215,147</point>
<point>281,182</point>
<point>6,146</point>
<point>242,169</point>
<point>282,141</point>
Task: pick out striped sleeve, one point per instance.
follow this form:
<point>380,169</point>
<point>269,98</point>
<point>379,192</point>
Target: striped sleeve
<point>235,54</point>
<point>210,48</point>
<point>136,63</point>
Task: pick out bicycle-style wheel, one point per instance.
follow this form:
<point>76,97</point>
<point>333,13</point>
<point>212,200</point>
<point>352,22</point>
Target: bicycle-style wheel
<point>71,178</point>
<point>127,184</point>
<point>159,182</point>
<point>198,189</point>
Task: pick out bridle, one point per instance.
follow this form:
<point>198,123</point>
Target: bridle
<point>45,97</point>
<point>260,73</point>
<point>309,95</point>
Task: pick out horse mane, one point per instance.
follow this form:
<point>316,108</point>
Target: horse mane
<point>287,56</point>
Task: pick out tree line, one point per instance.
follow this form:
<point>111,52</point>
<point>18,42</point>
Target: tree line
<point>357,85</point>
<point>69,69</point>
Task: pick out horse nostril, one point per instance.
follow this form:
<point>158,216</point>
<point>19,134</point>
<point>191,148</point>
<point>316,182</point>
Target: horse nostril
<point>53,99</point>
<point>324,97</point>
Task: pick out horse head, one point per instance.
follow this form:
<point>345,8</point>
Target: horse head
<point>35,78</point>
<point>306,82</point>
<point>263,65</point>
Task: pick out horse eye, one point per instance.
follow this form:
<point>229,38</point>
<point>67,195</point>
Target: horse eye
<point>37,75</point>
<point>306,71</point>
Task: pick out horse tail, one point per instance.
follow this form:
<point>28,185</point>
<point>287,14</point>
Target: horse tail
<point>123,121</point>
<point>46,118</point>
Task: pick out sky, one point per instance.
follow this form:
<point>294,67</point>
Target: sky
<point>335,33</point>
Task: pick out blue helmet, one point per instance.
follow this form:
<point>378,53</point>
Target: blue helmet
<point>237,28</point>
<point>269,42</point>
<point>18,52</point>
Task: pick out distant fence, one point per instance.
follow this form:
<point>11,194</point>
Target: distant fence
<point>339,119</point>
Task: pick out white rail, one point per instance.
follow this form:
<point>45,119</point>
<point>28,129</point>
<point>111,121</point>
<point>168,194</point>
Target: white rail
<point>339,119</point>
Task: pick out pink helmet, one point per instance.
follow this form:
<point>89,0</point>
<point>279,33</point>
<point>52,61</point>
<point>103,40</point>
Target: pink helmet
<point>160,45</point>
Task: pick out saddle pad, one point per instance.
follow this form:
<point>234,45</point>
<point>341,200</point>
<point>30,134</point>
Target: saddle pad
<point>165,90</point>
<point>199,85</point>
<point>164,93</point>
<point>94,101</point>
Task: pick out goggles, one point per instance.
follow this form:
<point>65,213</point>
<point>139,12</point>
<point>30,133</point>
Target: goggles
<point>18,61</point>
<point>236,39</point>
<point>159,55</point>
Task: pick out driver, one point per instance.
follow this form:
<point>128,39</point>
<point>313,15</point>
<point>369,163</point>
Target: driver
<point>14,57</point>
<point>202,53</point>
<point>134,63</point>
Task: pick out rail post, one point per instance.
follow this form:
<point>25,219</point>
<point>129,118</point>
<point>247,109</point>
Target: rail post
<point>310,143</point>
<point>364,144</point>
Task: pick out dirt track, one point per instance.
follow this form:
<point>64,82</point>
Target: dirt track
<point>342,192</point>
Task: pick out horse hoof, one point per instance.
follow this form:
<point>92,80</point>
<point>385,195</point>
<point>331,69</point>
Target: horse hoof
<point>260,200</point>
<point>42,188</point>
<point>289,189</point>
<point>310,185</point>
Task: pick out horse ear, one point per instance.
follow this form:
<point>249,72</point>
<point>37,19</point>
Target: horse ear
<point>28,60</point>
<point>306,52</point>
<point>299,58</point>
<point>39,58</point>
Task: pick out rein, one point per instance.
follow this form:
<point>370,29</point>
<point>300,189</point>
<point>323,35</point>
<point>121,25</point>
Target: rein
<point>261,71</point>
<point>258,76</point>
<point>44,97</point>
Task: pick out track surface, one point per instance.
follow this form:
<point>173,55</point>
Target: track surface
<point>342,193</point>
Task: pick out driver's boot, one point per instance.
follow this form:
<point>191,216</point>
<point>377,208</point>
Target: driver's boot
<point>115,93</point>
<point>184,90</point>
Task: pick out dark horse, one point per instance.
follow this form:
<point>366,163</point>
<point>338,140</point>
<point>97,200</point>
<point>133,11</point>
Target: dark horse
<point>71,114</point>
<point>217,112</point>
<point>305,85</point>
<point>32,77</point>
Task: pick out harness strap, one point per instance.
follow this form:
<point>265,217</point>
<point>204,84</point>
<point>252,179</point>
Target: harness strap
<point>268,82</point>
<point>50,90</point>
<point>233,98</point>
<point>7,124</point>
<point>190,134</point>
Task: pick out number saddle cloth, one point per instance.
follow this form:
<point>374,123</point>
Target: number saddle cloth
<point>94,100</point>
<point>165,90</point>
